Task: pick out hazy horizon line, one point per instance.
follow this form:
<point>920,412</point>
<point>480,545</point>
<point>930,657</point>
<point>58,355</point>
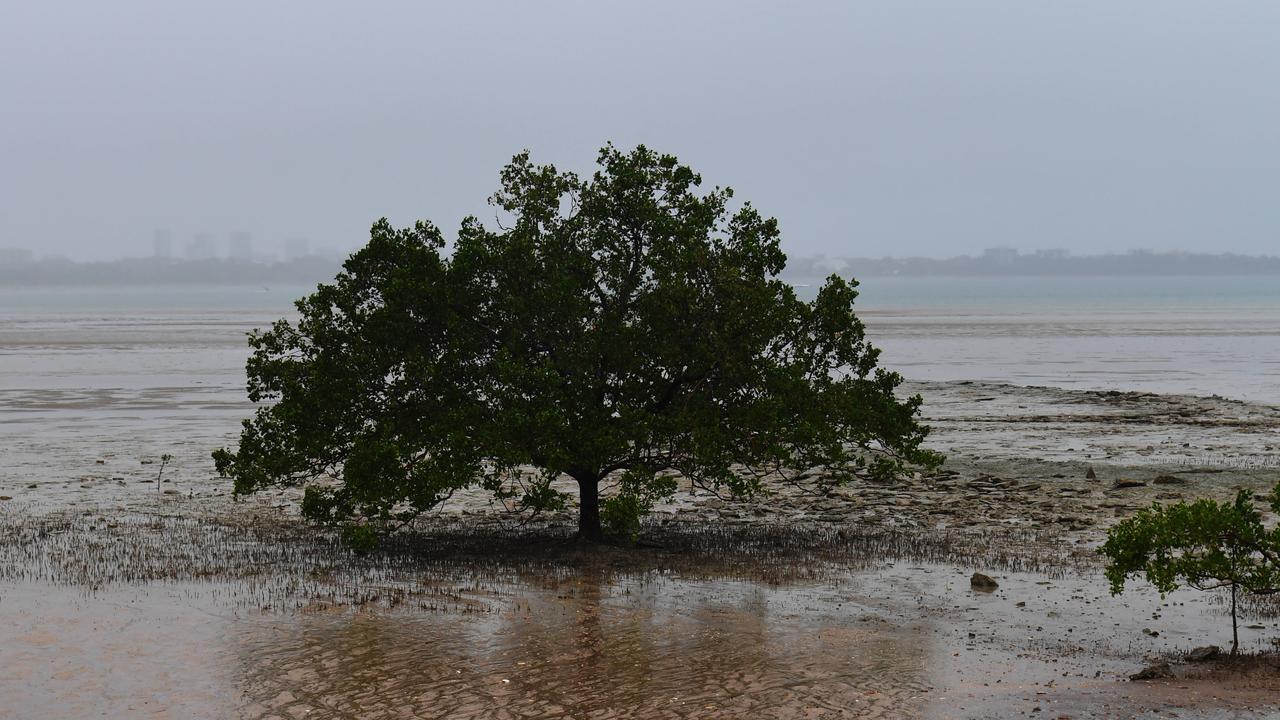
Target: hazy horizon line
<point>12,253</point>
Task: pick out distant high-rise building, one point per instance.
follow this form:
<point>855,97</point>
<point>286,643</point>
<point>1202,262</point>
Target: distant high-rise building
<point>15,256</point>
<point>826,266</point>
<point>1000,255</point>
<point>240,246</point>
<point>203,246</point>
<point>295,248</point>
<point>162,244</point>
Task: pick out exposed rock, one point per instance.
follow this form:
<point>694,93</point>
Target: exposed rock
<point>1204,654</point>
<point>983,583</point>
<point>1168,480</point>
<point>1158,671</point>
<point>1090,474</point>
<point>1123,483</point>
<point>5,497</point>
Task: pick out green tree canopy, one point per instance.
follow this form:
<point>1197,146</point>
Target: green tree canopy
<point>1205,544</point>
<point>619,327</point>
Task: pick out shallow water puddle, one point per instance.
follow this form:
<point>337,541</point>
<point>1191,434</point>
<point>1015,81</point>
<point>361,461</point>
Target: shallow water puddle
<point>670,649</point>
<point>891,642</point>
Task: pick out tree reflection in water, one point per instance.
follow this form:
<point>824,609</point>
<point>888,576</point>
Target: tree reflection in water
<point>587,645</point>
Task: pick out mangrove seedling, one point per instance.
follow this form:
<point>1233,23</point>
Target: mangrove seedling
<point>164,460</point>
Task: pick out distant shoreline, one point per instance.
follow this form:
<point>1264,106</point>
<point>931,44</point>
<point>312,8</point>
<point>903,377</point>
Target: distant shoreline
<point>1004,262</point>
<point>159,272</point>
<point>800,270</point>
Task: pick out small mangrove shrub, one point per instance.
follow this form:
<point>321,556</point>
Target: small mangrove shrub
<point>360,538</point>
<point>637,493</point>
<point>1205,544</point>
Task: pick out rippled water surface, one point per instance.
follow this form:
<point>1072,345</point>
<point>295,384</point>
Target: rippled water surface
<point>897,641</point>
<point>1181,335</point>
<point>582,646</point>
<point>1198,336</point>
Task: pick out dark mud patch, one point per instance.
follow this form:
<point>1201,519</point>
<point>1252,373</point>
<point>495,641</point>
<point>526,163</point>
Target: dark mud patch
<point>280,561</point>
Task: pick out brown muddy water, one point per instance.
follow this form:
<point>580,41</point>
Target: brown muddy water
<point>584,650</point>
<point>167,617</point>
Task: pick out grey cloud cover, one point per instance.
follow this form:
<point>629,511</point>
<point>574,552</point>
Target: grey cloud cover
<point>931,128</point>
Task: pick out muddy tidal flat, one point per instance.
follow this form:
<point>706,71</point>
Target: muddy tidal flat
<point>127,592</point>
<point>124,597</point>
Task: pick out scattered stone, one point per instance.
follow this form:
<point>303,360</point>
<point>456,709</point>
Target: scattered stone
<point>1150,632</point>
<point>1123,483</point>
<point>32,486</point>
<point>1158,671</point>
<point>5,497</point>
<point>1204,654</point>
<point>1168,480</point>
<point>983,583</point>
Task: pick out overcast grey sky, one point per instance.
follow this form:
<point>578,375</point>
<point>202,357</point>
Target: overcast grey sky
<point>889,128</point>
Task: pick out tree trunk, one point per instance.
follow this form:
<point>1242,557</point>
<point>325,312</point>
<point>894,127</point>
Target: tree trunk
<point>1235,632</point>
<point>589,508</point>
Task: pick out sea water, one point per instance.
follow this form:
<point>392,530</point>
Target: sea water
<point>1194,335</point>
<point>1189,335</point>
